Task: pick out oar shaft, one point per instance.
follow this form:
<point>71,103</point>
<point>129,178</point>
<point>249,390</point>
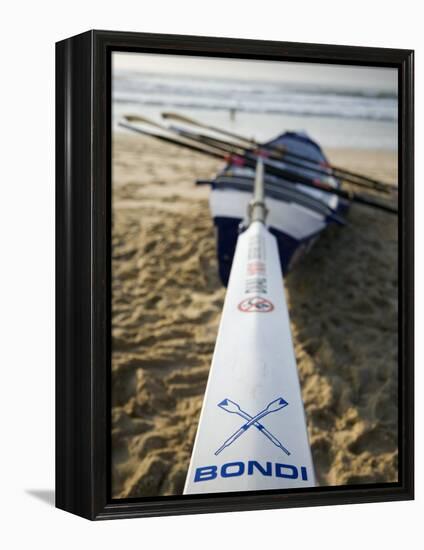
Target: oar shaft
<point>257,209</point>
<point>230,440</point>
<point>220,144</point>
<point>342,173</point>
<point>172,141</point>
<point>272,438</point>
<point>193,122</point>
<point>297,178</point>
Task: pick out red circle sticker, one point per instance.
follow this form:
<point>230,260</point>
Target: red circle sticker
<point>256,304</point>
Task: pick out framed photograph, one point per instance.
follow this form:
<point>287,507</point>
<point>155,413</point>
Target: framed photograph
<point>234,274</point>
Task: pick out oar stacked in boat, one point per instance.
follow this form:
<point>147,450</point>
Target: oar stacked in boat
<point>282,152</point>
<point>274,167</point>
<point>252,433</point>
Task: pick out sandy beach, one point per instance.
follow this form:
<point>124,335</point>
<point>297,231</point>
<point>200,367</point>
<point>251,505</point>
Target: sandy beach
<point>166,307</point>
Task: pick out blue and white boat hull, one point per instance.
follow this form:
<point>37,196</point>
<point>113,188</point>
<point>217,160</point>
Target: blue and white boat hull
<point>297,214</point>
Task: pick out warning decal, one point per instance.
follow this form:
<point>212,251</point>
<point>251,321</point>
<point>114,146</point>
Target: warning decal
<point>256,304</point>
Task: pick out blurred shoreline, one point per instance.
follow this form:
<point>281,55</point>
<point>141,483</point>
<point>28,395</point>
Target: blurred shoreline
<point>166,306</point>
<point>329,132</point>
<point>335,105</point>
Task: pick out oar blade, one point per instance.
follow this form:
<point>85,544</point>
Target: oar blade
<point>253,368</point>
<point>181,118</point>
<point>229,406</point>
<point>276,405</point>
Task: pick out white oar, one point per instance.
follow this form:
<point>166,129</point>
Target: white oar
<point>253,380</point>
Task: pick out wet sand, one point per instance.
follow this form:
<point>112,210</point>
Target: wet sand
<point>166,306</point>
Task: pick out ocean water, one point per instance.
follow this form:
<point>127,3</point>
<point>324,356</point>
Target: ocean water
<point>332,115</point>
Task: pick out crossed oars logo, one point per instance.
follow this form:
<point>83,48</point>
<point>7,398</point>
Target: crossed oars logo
<point>234,408</point>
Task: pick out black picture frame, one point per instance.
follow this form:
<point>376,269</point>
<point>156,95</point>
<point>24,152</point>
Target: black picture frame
<point>83,232</point>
